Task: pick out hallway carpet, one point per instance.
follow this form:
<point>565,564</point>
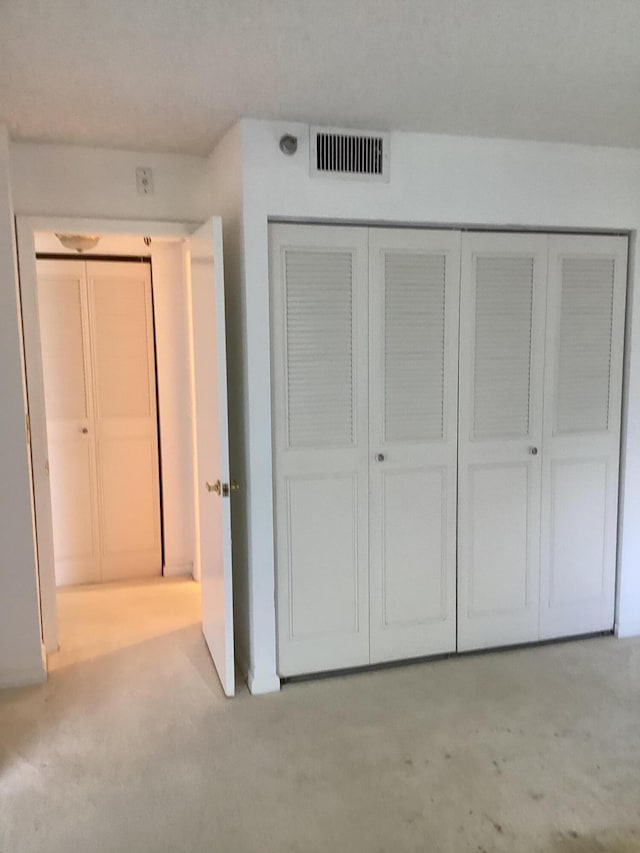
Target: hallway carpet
<point>134,749</point>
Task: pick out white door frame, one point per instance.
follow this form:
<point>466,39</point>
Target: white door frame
<point>26,229</point>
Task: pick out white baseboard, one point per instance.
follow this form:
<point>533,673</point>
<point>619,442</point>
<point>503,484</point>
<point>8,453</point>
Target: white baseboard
<point>23,677</point>
<point>178,570</point>
<point>267,682</point>
<point>630,628</point>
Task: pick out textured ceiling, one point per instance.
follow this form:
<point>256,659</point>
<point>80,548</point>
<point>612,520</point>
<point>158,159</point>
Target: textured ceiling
<point>172,75</point>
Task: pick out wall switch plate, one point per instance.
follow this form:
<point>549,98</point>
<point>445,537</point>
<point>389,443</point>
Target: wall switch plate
<point>144,180</point>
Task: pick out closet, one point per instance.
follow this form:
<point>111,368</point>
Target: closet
<point>96,326</point>
<point>446,439</point>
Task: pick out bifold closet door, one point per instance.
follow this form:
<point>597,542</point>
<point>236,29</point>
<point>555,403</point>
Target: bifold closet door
<point>319,283</point>
<point>68,389</point>
<point>99,378</point>
<point>126,425</point>
<point>583,387</point>
<point>502,325</point>
<point>414,280</point>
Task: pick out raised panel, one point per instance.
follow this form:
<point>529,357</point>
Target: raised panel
<point>323,555</point>
<point>72,486</point>
<point>320,374</point>
<point>122,349</point>
<point>414,559</point>
<point>499,539</point>
<point>578,513</point>
<point>414,345</point>
<point>584,346</point>
<point>503,346</point>
<point>129,507</point>
<point>63,344</point>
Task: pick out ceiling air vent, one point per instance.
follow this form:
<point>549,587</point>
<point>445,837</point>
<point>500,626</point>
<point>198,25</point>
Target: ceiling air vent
<point>354,154</point>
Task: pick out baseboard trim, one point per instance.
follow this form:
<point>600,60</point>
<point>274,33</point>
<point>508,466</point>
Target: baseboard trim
<point>177,570</point>
<point>262,683</point>
<point>23,677</point>
<point>626,630</point>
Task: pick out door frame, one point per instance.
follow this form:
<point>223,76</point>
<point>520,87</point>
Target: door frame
<point>26,229</point>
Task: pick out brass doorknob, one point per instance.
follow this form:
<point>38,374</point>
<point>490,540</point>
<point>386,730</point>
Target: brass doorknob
<point>214,487</point>
<point>235,486</point>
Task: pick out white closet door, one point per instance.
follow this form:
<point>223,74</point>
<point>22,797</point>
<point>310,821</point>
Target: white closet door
<point>502,314</point>
<point>71,436</point>
<point>319,321</point>
<point>125,415</point>
<point>413,381</point>
<point>583,387</point>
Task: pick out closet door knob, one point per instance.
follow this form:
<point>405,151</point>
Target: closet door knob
<point>84,431</point>
<point>533,451</point>
<point>379,457</point>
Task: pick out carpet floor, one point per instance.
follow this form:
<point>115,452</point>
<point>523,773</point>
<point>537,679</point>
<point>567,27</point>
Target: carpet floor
<point>131,747</point>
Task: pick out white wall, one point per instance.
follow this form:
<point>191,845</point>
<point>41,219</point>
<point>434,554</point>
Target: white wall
<point>434,180</point>
<point>68,180</point>
<point>20,647</point>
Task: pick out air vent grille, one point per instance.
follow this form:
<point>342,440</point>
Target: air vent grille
<point>360,155</point>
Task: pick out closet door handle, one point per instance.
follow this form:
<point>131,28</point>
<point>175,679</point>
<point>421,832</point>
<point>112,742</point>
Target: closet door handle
<point>84,431</point>
<point>379,457</point>
<point>533,451</point>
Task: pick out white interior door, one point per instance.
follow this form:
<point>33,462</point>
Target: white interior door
<point>319,284</point>
<point>67,375</point>
<point>413,309</point>
<point>213,485</point>
<point>583,387</point>
<point>502,318</point>
<point>125,419</point>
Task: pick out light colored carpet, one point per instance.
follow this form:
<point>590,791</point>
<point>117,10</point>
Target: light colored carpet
<point>137,751</point>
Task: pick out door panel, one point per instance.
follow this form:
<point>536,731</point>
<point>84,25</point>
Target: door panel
<point>213,509</point>
<point>413,351</point>
<point>319,317</point>
<point>583,387</point>
<point>502,315</point>
<point>66,363</point>
<point>126,426</point>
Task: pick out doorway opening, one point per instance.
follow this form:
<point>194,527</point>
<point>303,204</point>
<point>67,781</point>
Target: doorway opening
<point>176,278</point>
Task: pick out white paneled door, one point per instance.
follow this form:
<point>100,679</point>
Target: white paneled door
<point>502,317</point>
<point>413,356</point>
<point>214,487</point>
<point>319,309</point>
<point>99,379</point>
<point>583,388</point>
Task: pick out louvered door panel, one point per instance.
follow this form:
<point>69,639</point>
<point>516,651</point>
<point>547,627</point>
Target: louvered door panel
<point>503,286</point>
<point>583,386</point>
<point>413,343</point>
<point>502,357</point>
<point>584,345</point>
<point>320,354</point>
<point>319,348</point>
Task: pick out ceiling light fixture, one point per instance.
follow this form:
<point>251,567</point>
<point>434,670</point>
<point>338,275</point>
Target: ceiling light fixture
<point>79,242</point>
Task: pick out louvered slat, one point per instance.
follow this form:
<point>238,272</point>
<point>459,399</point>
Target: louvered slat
<point>414,340</point>
<point>319,348</point>
<point>502,380</point>
<point>584,352</point>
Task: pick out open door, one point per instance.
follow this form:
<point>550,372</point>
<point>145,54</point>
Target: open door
<point>213,484</point>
